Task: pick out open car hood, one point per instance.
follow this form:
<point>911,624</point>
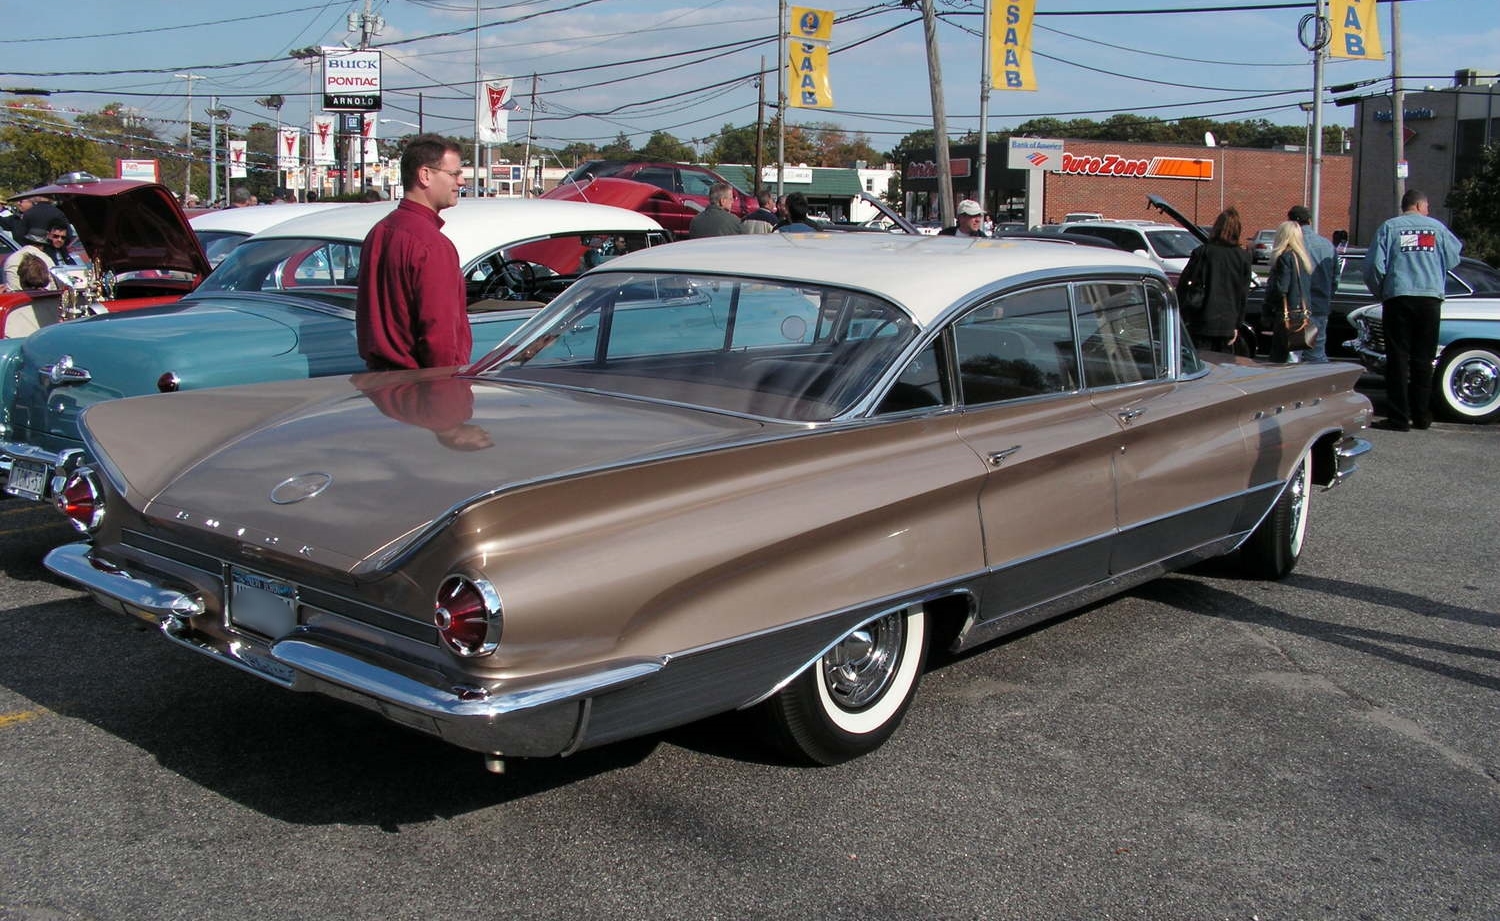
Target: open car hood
<point>129,226</point>
<point>624,193</point>
<point>1165,207</point>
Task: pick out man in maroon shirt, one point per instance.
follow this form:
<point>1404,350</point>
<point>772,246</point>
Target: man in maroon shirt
<point>410,309</point>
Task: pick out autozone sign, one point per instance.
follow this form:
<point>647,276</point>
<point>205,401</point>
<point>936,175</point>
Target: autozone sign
<point>1126,167</point>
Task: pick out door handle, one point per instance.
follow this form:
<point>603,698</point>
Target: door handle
<point>1130,415</point>
<point>998,457</point>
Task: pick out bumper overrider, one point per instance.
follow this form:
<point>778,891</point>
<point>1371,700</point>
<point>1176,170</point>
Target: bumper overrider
<point>538,719</point>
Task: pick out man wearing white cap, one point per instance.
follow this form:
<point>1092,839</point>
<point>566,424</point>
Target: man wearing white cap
<point>970,221</point>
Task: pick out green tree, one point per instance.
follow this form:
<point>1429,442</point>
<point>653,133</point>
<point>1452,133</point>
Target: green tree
<point>618,149</point>
<point>663,146</point>
<point>1476,208</point>
<point>737,145</point>
<point>39,146</point>
<point>577,152</point>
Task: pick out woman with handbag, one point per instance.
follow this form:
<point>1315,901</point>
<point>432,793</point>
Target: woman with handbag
<point>1212,287</point>
<point>1292,329</point>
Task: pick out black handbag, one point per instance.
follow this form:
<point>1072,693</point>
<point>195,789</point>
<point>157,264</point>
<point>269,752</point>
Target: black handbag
<point>1190,286</point>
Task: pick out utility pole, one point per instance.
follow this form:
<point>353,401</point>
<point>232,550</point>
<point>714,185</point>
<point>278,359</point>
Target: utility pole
<point>984,110</point>
<point>760,126</point>
<point>213,154</point>
<point>1398,106</point>
<point>1321,36</point>
<point>939,116</point>
<point>187,183</point>
<point>780,100</point>
<point>530,124</point>
<point>367,24</point>
<point>478,94</point>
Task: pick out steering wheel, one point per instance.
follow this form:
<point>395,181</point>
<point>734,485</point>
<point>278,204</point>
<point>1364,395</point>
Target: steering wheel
<point>513,280</point>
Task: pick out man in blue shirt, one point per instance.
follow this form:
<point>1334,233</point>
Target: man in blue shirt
<point>1407,268</point>
<point>1325,270</point>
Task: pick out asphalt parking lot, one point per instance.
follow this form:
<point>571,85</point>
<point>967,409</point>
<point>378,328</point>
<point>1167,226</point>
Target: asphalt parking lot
<point>1204,747</point>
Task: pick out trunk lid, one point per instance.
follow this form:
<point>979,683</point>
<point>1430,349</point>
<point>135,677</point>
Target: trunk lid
<point>336,469</point>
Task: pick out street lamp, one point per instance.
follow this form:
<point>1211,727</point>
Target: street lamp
<point>274,103</point>
<point>187,183</point>
<point>1210,141</point>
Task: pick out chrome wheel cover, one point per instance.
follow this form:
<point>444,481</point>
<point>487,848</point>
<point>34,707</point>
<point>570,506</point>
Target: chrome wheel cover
<point>1299,494</point>
<point>860,668</point>
<point>1473,382</point>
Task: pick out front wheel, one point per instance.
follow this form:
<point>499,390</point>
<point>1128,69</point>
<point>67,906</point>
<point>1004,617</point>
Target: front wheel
<point>851,700</point>
<point>1274,547</point>
<point>1468,384</point>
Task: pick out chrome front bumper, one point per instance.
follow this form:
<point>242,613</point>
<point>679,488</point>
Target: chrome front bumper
<point>535,720</point>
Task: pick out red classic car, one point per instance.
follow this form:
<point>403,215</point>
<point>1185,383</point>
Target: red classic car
<point>141,251</point>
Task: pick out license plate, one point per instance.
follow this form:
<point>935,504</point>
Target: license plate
<point>28,479</point>
<point>262,604</point>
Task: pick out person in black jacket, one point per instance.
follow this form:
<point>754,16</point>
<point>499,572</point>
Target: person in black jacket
<point>1220,271</point>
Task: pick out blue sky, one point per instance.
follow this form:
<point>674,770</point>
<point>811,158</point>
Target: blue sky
<point>1098,60</point>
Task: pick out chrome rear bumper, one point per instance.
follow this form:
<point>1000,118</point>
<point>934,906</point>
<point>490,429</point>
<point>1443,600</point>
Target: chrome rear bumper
<point>536,719</point>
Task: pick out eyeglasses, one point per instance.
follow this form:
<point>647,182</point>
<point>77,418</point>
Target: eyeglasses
<point>455,173</point>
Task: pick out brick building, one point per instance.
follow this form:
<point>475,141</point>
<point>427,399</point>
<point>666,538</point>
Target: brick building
<point>1114,178</point>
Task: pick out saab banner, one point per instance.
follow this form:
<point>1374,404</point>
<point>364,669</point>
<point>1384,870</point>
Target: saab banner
<point>322,140</point>
<point>495,105</point>
<point>288,147</point>
<point>1356,31</point>
<point>807,58</point>
<point>236,159</point>
<point>1010,45</point>
<point>368,139</point>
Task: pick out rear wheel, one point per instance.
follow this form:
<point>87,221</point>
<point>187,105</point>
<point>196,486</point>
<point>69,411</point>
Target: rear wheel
<point>1468,384</point>
<point>851,700</point>
<point>1276,544</point>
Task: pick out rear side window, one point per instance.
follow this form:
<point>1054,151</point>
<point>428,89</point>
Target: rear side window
<point>1120,334</point>
<point>1017,346</point>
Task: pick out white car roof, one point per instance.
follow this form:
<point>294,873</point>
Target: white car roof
<point>476,226</point>
<point>924,274</point>
<point>1143,226</point>
<point>254,219</point>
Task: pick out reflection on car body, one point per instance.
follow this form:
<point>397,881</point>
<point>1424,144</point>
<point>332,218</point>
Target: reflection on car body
<point>746,472</point>
<point>281,305</point>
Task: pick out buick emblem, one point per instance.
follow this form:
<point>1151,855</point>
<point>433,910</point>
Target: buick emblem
<point>302,486</point>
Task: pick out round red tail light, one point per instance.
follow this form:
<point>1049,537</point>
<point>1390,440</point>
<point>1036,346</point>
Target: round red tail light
<point>467,616</point>
<point>81,500</point>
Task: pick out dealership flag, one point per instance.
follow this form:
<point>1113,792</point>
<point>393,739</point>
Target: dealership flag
<point>495,105</point>
<point>1356,31</point>
<point>236,159</point>
<point>1010,46</point>
<point>287,153</point>
<point>322,140</point>
<point>368,139</point>
<point>807,61</point>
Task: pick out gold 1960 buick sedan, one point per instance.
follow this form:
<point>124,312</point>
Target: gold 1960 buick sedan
<point>744,472</point>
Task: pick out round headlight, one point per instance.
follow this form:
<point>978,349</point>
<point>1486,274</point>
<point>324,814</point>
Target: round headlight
<point>81,500</point>
<point>467,616</point>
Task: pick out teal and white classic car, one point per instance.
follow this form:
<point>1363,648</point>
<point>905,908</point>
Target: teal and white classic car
<point>281,306</point>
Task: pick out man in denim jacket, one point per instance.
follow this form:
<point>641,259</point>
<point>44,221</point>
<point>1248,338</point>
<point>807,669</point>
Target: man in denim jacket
<point>1407,268</point>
